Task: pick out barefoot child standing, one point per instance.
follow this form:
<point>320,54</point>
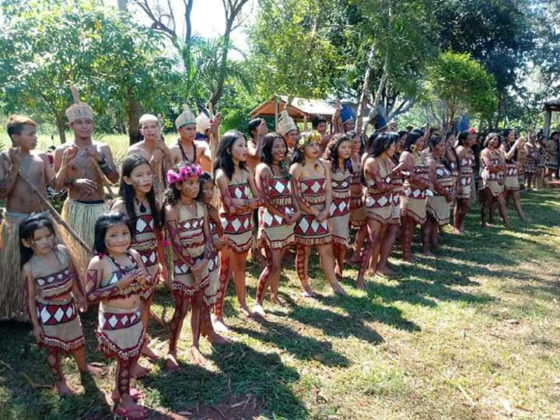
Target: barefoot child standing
<point>52,288</point>
<point>116,277</point>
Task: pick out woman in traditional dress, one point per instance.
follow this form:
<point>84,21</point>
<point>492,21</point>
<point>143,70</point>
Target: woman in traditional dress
<point>492,166</point>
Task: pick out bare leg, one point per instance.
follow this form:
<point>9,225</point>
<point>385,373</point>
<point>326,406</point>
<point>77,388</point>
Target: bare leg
<point>435,232</point>
<point>80,357</point>
<point>327,265</point>
<point>124,374</point>
<point>225,274</point>
<point>503,210</point>
<point>207,329</point>
<point>181,308</point>
<point>517,204</point>
<point>264,278</point>
<point>61,386</point>
<point>238,260</point>
<point>426,235</point>
<point>302,258</point>
<point>485,200</point>
<point>407,232</point>
<point>146,351</point>
<point>360,238</point>
<point>386,247</point>
<point>276,268</point>
<point>374,228</point>
<point>196,318</point>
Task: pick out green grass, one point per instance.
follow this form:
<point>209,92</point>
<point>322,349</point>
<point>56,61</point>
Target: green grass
<point>473,333</point>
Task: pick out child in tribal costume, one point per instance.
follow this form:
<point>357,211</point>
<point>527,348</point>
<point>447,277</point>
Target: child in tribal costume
<point>239,197</point>
<point>492,167</point>
<point>137,200</point>
<point>212,291</point>
<point>511,151</point>
<point>438,205</point>
<point>340,166</point>
<point>465,160</point>
<point>312,188</point>
<point>357,209</point>
<point>413,199</point>
<point>52,288</point>
<point>116,277</point>
<point>20,201</point>
<point>277,216</point>
<point>187,223</point>
<point>377,172</point>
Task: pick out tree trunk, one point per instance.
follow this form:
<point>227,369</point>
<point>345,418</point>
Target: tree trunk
<point>365,91</point>
<point>133,117</point>
<point>61,127</point>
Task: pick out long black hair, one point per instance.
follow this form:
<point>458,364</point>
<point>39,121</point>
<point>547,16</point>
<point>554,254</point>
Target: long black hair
<point>463,135</point>
<point>266,154</point>
<point>353,133</point>
<point>27,230</point>
<point>412,138</point>
<point>378,144</point>
<point>102,225</point>
<point>126,191</point>
<point>433,142</point>
<point>333,152</point>
<point>224,160</point>
<point>203,179</point>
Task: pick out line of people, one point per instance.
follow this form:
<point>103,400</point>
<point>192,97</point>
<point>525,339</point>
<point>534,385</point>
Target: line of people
<point>185,217</point>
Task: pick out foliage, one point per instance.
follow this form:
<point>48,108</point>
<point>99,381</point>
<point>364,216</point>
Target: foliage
<point>462,85</point>
<point>45,47</point>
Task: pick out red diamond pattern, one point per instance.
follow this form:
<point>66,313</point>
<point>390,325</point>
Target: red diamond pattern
<point>55,314</point>
<point>120,321</point>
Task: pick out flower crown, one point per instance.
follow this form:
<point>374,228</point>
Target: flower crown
<point>184,173</point>
<point>308,137</point>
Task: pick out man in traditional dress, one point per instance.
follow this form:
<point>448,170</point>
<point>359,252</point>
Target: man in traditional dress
<point>21,201</point>
<point>187,148</point>
<point>82,167</point>
<point>288,129</point>
<point>154,150</point>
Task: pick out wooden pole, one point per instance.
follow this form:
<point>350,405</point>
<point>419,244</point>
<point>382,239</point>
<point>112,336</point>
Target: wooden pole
<point>55,214</point>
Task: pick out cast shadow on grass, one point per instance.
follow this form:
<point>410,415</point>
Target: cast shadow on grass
<point>244,374</point>
<point>301,346</point>
<point>28,378</point>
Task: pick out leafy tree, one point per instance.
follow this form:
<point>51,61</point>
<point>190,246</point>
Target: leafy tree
<point>461,85</point>
<point>48,46</point>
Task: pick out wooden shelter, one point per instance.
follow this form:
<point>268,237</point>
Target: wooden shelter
<point>299,108</point>
<point>550,106</point>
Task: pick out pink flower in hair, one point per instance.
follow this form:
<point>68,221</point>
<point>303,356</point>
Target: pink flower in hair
<point>172,177</point>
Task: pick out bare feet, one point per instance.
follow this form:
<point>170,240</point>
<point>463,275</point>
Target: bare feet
<point>134,393</point>
<point>139,371</point>
<point>456,231</point>
<point>385,270</point>
<point>63,389</point>
<point>130,410</point>
<point>216,338</point>
<point>220,326</point>
<point>197,356</point>
<point>258,310</point>
<point>409,258</point>
<point>246,312</point>
<point>171,363</point>
<point>338,273</point>
<point>308,293</point>
<point>149,353</point>
<point>94,370</point>
<point>277,301</point>
<point>361,284</point>
<point>156,318</point>
<point>340,291</point>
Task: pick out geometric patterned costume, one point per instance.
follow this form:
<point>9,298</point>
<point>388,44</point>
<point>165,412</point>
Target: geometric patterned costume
<point>273,230</point>
<point>494,181</point>
<point>438,206</point>
<point>379,201</point>
<point>238,228</point>
<point>465,176</point>
<point>308,231</point>
<point>339,212</point>
<point>357,209</point>
<point>413,199</point>
<point>58,315</point>
<point>147,248</point>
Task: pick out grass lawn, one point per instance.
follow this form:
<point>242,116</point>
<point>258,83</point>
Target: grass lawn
<point>473,333</point>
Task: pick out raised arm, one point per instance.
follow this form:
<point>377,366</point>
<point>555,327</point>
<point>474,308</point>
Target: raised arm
<point>9,167</point>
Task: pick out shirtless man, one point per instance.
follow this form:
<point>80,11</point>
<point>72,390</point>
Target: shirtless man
<point>82,167</point>
<point>154,149</point>
<point>257,130</point>
<point>21,201</point>
<point>187,148</point>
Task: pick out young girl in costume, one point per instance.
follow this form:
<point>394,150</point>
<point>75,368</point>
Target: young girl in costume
<point>357,209</point>
<point>186,221</point>
<point>394,226</point>
<point>52,288</point>
<point>438,205</point>
<point>492,166</point>
<point>377,171</point>
<point>137,200</point>
<point>311,184</point>
<point>277,216</point>
<point>465,159</point>
<point>340,165</point>
<point>212,291</point>
<point>511,150</point>
<point>116,278</point>
<point>239,197</point>
<point>416,182</point>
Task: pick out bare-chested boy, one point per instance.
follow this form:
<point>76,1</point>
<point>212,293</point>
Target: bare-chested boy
<point>187,148</point>
<point>257,130</point>
<point>21,201</point>
<point>82,167</point>
<point>154,149</point>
